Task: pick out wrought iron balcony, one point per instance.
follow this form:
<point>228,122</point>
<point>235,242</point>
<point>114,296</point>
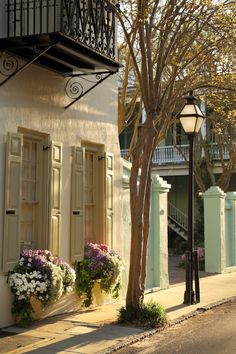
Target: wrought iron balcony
<point>73,33</point>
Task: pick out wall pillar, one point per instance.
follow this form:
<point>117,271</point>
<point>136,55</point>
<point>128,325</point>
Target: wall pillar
<point>125,226</point>
<point>231,235</point>
<point>214,225</point>
<point>157,263</point>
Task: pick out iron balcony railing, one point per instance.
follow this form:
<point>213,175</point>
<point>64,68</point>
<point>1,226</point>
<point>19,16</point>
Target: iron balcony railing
<point>164,155</point>
<point>90,22</point>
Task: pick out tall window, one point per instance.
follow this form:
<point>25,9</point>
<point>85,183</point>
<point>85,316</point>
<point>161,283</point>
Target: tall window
<point>94,190</point>
<point>30,206</point>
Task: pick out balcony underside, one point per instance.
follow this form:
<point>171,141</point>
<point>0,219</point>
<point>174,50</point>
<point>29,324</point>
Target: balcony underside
<point>65,55</point>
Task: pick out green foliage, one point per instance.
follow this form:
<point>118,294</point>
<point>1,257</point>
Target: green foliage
<point>23,312</point>
<point>150,314</point>
<point>127,314</point>
<point>84,283</point>
<point>99,264</point>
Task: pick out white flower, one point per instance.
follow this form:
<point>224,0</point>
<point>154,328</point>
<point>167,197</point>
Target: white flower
<point>21,297</point>
<point>20,282</point>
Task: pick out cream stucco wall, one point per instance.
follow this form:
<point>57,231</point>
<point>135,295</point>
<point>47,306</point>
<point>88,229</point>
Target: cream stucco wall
<point>35,99</point>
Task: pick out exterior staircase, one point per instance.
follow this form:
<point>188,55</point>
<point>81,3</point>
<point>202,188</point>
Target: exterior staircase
<point>177,221</point>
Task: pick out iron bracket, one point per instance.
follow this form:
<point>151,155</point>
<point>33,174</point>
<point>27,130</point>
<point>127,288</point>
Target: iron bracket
<point>79,85</point>
<point>9,64</point>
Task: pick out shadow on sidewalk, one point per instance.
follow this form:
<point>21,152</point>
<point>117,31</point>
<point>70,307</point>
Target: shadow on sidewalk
<point>174,308</point>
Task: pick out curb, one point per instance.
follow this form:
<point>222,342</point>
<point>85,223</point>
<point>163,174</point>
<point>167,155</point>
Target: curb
<point>146,334</point>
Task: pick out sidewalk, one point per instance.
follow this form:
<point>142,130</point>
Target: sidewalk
<point>94,331</point>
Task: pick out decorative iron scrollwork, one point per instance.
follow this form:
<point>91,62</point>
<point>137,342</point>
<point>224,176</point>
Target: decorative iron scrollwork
<point>77,86</point>
<point>74,88</point>
<point>91,22</point>
<point>8,64</point>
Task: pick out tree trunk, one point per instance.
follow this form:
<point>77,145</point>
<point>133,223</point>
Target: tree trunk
<point>139,199</point>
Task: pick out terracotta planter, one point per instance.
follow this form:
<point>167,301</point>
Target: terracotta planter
<point>67,303</point>
<point>37,308</point>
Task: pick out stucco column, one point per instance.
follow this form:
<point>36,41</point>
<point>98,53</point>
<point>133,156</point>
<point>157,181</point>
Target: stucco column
<point>125,226</point>
<point>157,265</point>
<point>214,225</point>
<point>231,237</point>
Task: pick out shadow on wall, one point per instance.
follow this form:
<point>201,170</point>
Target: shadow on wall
<point>36,88</point>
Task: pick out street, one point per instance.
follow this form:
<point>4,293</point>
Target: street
<point>213,331</point>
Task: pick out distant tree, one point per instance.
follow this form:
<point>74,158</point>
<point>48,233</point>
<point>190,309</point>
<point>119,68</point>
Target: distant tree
<point>169,48</point>
<point>220,139</point>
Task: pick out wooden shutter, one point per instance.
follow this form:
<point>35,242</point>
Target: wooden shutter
<point>55,198</point>
<point>77,204</point>
<point>11,244</point>
<point>109,197</point>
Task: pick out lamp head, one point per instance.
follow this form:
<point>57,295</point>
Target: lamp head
<point>191,117</point>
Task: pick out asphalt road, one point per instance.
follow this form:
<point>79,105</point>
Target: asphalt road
<point>211,332</point>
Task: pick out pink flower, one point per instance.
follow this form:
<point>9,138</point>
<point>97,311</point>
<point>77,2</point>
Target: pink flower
<point>183,257</point>
<point>201,252</point>
<point>103,248</point>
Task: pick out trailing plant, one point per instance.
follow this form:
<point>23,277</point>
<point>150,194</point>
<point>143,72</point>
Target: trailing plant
<point>150,314</point>
<point>102,265</point>
<point>41,276</point>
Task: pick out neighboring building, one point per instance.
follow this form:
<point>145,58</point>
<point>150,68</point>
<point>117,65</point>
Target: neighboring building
<point>60,165</point>
<point>170,161</point>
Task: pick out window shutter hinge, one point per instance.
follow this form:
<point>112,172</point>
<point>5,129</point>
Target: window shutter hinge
<point>46,147</point>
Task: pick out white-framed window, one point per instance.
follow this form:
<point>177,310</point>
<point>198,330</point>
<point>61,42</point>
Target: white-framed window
<point>32,194</point>
<point>92,198</point>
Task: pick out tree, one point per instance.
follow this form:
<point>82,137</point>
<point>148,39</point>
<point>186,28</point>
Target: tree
<point>170,47</point>
<point>220,139</point>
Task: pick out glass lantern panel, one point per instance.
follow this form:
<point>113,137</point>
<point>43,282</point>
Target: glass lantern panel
<point>188,124</point>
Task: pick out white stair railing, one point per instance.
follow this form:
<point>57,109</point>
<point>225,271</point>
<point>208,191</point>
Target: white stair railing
<point>177,216</point>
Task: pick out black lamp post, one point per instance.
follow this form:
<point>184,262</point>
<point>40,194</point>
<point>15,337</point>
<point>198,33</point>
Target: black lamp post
<point>191,119</point>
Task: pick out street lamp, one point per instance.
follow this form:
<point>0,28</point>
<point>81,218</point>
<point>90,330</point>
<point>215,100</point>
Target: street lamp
<point>191,119</point>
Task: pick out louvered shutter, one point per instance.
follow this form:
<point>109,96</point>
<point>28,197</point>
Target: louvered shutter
<point>55,198</point>
<point>11,244</point>
<point>109,158</point>
<point>77,204</point>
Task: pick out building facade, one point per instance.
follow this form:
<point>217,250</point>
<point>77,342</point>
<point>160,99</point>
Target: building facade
<point>61,171</point>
